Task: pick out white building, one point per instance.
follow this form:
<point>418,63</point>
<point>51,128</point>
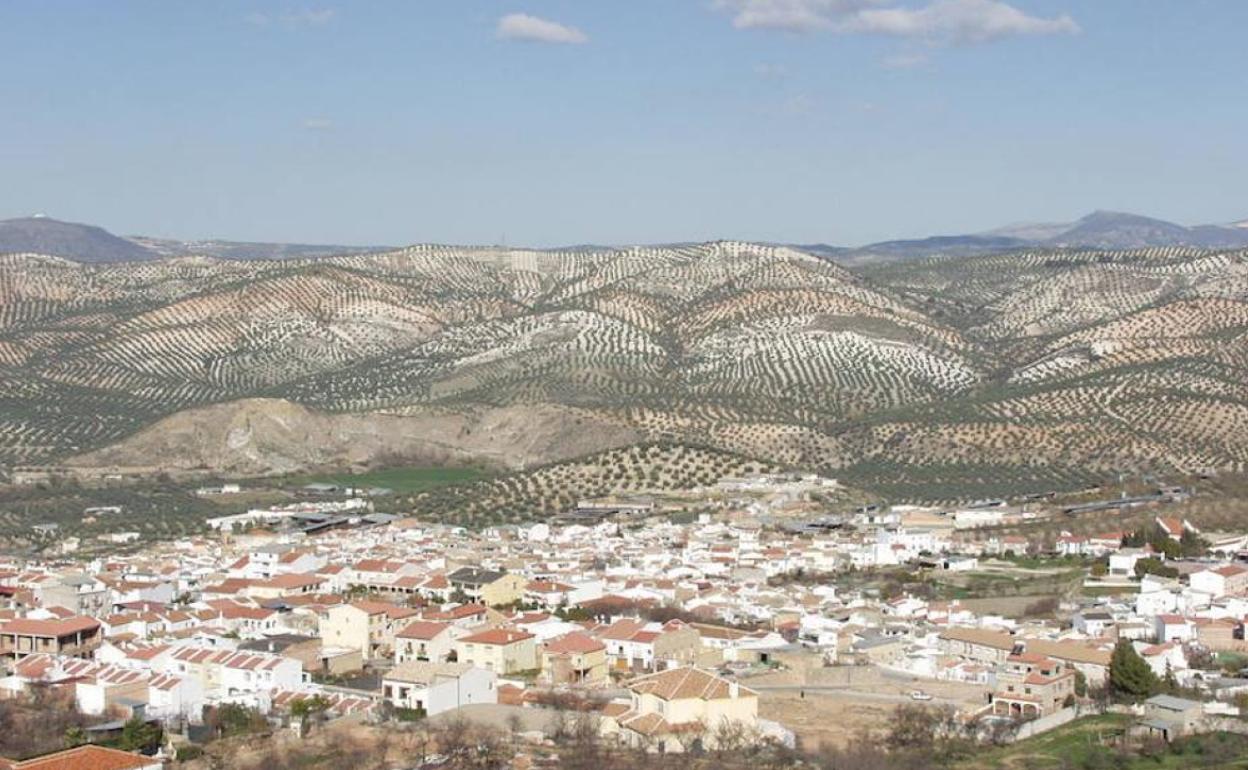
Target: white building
<point>437,687</point>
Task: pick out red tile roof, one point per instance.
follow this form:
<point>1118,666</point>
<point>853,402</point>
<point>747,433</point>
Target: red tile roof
<point>497,636</point>
<point>423,630</point>
<point>29,627</point>
<point>83,758</point>
<point>574,644</point>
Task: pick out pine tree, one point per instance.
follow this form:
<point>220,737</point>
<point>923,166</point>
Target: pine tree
<point>1129,675</point>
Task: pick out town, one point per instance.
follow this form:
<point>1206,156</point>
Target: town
<point>740,627</point>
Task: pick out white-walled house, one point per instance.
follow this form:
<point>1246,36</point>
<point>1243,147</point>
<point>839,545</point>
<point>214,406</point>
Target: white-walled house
<point>1229,579</point>
<point>1162,658</point>
<point>227,673</point>
<point>426,640</point>
<point>1092,622</point>
<point>1122,563</point>
<point>1172,628</point>
<point>171,696</point>
<point>438,687</point>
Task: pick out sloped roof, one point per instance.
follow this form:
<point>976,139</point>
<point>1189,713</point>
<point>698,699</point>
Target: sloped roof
<point>87,757</point>
<point>574,643</point>
<point>423,630</point>
<point>688,682</point>
<point>425,672</point>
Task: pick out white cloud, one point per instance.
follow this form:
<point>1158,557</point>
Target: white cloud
<point>318,124</point>
<point>792,15</point>
<point>309,17</point>
<point>939,22</point>
<point>959,22</point>
<point>522,26</point>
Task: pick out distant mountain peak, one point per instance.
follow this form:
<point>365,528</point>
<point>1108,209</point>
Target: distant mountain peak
<point>41,234</point>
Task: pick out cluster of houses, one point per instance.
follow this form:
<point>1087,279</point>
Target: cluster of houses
<point>443,619</point>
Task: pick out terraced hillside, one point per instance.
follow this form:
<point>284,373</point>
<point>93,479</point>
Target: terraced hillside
<point>1103,360</point>
<point>1034,368</point>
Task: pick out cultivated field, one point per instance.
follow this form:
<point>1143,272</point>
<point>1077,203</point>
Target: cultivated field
<point>943,378</point>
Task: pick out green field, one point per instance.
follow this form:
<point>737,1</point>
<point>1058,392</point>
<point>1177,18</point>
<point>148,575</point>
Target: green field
<point>1090,743</point>
<point>401,480</point>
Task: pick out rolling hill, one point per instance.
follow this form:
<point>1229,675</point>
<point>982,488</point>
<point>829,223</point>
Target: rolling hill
<point>1032,369</point>
<point>81,243</point>
<point>1098,230</point>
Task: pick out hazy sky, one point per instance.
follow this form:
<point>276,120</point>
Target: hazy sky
<point>549,122</point>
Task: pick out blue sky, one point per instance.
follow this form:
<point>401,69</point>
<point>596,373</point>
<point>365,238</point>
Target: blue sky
<point>551,122</point>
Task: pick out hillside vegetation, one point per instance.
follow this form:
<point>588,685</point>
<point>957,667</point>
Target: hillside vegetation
<point>1039,367</point>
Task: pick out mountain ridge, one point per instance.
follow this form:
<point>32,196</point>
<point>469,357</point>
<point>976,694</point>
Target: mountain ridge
<point>1099,229</point>
<point>1026,367</point>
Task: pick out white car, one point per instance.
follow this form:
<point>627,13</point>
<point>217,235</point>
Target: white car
<point>919,695</point>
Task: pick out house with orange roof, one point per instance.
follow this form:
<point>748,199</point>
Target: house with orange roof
<point>286,584</point>
<point>232,673</point>
<point>467,616</point>
<point>1174,528</point>
<point>76,636</point>
<point>681,709</point>
<point>247,620</point>
<point>547,593</point>
<point>1169,627</point>
<point>1162,658</point>
<point>1031,685</point>
<point>381,574</point>
<point>634,645</point>
<point>1226,580</point>
<point>427,640</point>
<point>575,658</point>
<point>87,757</point>
<point>1105,542</point>
<point>99,688</point>
<point>136,655</point>
<point>367,626</point>
<point>504,651</point>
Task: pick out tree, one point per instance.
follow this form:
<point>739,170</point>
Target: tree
<point>233,719</point>
<point>1154,566</point>
<point>913,729</point>
<point>303,707</point>
<point>1192,544</point>
<point>1129,675</point>
<point>138,735</point>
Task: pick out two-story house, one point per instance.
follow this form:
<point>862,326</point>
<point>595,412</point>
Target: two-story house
<point>501,650</point>
<point>681,709</point>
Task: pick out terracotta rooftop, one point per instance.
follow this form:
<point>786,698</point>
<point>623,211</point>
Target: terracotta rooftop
<point>29,627</point>
<point>422,629</point>
<point>574,644</point>
<point>497,636</point>
<point>682,683</point>
<point>83,758</point>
